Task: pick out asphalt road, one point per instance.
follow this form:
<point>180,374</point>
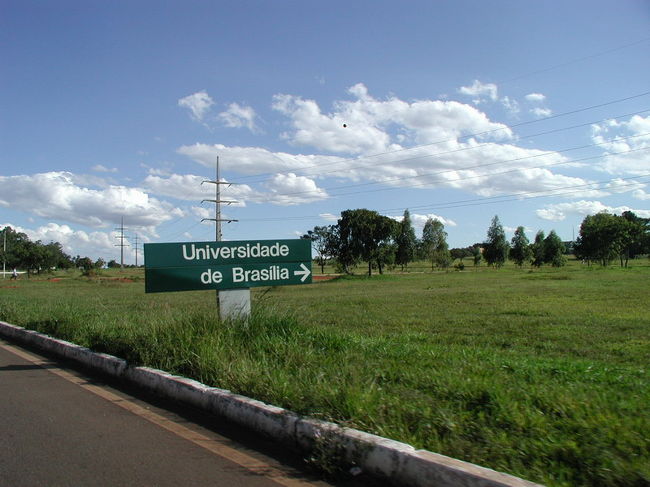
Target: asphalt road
<point>59,427</point>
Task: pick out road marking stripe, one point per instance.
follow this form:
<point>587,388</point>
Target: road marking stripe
<point>216,446</point>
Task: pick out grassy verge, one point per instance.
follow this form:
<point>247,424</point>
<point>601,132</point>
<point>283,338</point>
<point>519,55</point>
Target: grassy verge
<point>540,374</point>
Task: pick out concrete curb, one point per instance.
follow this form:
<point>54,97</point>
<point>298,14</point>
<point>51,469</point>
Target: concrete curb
<point>399,463</point>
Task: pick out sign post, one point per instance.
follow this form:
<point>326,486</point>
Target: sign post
<point>239,265</point>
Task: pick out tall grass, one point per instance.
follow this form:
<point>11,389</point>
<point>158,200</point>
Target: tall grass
<point>540,374</point>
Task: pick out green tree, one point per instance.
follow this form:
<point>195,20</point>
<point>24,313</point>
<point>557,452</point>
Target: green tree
<point>406,241</point>
<point>554,250</point>
<point>459,253</point>
<point>33,256</point>
<point>320,236</point>
<point>443,256</point>
<point>55,257</point>
<point>638,236</point>
<point>477,255</point>
<point>537,248</point>
<point>361,234</point>
<point>84,263</point>
<point>603,237</point>
<point>434,242</point>
<point>495,249</point>
<point>520,250</point>
<point>16,243</point>
<point>341,250</point>
<point>386,255</point>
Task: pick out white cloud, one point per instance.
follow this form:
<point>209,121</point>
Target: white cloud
<point>253,160</point>
<point>623,186</point>
<point>279,189</point>
<point>157,171</point>
<point>190,187</point>
<point>198,103</point>
<point>470,166</point>
<point>639,194</point>
<point>512,230</point>
<point>329,217</point>
<point>632,136</point>
<point>238,116</point>
<point>456,146</point>
<point>559,212</point>
<point>340,132</point>
<point>100,168</point>
<point>56,195</point>
<point>541,112</point>
<point>202,212</point>
<point>511,105</point>
<point>367,125</point>
<point>419,220</point>
<point>290,189</point>
<point>480,91</point>
<point>535,97</point>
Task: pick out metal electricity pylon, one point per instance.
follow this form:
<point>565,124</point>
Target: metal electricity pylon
<point>218,202</point>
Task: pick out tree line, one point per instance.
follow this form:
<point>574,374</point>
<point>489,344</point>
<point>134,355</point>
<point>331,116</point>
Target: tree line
<point>363,235</point>
<point>21,253</point>
<point>366,236</point>
<point>605,237</point>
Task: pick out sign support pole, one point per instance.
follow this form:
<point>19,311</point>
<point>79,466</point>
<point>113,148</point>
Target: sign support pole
<point>231,303</point>
<point>4,253</point>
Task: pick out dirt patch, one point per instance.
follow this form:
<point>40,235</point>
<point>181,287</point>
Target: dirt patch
<point>324,277</point>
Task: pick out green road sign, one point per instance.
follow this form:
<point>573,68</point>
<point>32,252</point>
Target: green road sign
<point>226,265</point>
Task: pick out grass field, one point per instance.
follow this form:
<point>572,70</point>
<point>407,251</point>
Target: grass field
<point>542,374</point>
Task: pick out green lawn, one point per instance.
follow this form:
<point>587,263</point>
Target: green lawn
<point>540,374</point>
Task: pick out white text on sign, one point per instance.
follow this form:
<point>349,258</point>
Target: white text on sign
<point>193,252</point>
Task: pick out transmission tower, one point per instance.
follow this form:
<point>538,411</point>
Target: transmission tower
<point>121,237</point>
<point>136,248</point>
<point>218,202</point>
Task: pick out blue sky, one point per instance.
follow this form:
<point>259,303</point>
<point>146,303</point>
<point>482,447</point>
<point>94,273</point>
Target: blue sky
<point>538,112</point>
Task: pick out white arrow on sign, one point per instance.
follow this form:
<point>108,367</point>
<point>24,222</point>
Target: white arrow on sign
<point>304,272</point>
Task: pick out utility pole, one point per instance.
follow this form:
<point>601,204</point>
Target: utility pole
<point>121,245</point>
<point>231,303</point>
<point>4,253</point>
<point>136,248</point>
<point>218,201</point>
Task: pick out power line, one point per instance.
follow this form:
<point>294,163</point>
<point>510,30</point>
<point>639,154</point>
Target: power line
<point>466,168</point>
<point>529,194</point>
<point>474,147</point>
<point>478,201</point>
<point>577,60</point>
<point>266,176</point>
<point>415,185</point>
